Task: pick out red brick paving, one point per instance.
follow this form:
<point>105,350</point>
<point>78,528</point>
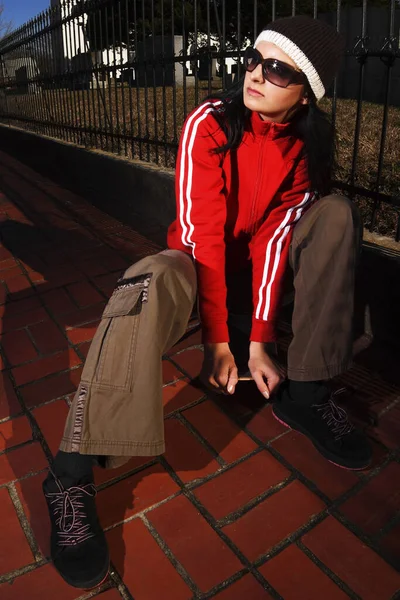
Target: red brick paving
<point>102,476</point>
<point>51,388</point>
<point>81,317</point>
<point>134,494</point>
<point>208,561</point>
<point>81,334</point>
<point>186,455</point>
<point>84,294</point>
<point>84,349</point>
<point>180,394</point>
<point>222,504</point>
<point>50,418</point>
<point>390,541</point>
<point>9,404</point>
<point>170,372</point>
<point>12,321</point>
<point>47,337</point>
<point>247,587</point>
<point>225,437</point>
<point>299,451</point>
<point>356,564</point>
<point>7,264</point>
<point>19,306</point>
<point>377,503</point>
<point>190,361</point>
<point>18,347</point>
<point>388,432</point>
<point>30,494</point>
<point>238,486</point>
<point>274,519</point>
<point>146,570</point>
<point>19,284</point>
<point>303,575</point>
<point>13,432</point>
<point>12,537</point>
<point>45,366</point>
<point>264,426</point>
<point>59,302</point>
<point>22,461</point>
<point>42,583</point>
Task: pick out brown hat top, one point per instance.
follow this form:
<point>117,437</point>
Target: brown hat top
<point>315,47</point>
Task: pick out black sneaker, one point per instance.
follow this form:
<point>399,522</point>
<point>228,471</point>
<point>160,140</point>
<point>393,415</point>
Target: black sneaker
<point>328,427</point>
<point>78,545</point>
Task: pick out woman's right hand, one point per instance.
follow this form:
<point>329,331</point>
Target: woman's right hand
<point>219,371</point>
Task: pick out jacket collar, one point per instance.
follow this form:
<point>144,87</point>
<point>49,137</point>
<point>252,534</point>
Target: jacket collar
<point>267,128</point>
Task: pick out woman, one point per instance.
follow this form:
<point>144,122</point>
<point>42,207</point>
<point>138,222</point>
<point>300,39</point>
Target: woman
<point>252,168</point>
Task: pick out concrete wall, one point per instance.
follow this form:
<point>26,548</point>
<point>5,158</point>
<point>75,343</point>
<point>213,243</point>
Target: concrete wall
<point>137,193</point>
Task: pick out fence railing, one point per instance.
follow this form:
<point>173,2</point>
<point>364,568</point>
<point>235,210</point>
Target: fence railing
<point>121,75</point>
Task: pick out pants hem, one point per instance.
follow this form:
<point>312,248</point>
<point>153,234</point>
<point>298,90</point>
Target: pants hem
<point>114,448</point>
<point>317,373</point>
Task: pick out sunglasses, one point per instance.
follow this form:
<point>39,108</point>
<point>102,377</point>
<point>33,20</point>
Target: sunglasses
<point>275,71</point>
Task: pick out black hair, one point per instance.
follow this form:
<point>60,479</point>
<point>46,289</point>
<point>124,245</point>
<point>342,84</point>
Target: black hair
<point>309,123</point>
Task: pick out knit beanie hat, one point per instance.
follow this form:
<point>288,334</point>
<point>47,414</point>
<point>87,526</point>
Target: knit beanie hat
<point>315,47</point>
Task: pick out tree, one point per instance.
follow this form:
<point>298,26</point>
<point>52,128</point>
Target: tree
<point>110,22</point>
<point>113,21</point>
<point>5,25</point>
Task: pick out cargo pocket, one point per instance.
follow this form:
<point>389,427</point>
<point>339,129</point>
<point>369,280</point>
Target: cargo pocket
<point>114,346</point>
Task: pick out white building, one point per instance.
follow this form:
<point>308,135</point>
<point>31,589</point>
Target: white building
<point>72,47</point>
<point>73,40</point>
<point>203,41</point>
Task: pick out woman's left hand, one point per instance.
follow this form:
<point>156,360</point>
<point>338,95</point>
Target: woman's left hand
<point>263,370</point>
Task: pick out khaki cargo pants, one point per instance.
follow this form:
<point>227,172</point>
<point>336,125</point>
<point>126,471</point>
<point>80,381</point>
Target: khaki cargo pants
<point>117,411</point>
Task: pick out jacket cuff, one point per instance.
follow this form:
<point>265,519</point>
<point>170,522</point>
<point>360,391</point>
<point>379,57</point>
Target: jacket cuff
<point>216,333</point>
<point>263,331</point>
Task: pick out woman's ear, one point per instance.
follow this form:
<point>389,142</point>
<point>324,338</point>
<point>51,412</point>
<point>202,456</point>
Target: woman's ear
<point>305,99</point>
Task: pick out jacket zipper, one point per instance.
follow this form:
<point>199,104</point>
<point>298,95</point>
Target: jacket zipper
<point>253,211</point>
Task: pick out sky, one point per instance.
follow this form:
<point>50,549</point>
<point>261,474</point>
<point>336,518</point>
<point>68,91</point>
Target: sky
<point>20,11</point>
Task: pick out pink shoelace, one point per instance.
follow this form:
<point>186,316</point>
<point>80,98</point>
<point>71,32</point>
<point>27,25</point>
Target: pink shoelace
<point>336,417</point>
<point>67,506</point>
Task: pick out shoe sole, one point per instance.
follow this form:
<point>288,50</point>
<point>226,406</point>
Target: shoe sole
<point>321,450</point>
<point>100,582</point>
<point>89,585</point>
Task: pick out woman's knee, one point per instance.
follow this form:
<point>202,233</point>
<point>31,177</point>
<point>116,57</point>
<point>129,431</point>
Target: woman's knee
<point>340,212</point>
<point>176,263</point>
<point>340,209</point>
<point>169,274</point>
<point>174,270</point>
<point>162,263</point>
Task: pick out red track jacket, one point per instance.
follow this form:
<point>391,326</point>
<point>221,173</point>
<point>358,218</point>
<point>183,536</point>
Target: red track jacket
<point>238,206</point>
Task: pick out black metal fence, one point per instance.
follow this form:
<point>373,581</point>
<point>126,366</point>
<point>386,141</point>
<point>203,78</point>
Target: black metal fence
<point>121,75</point>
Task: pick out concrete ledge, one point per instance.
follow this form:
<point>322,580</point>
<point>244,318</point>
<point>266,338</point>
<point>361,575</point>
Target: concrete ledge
<point>137,193</point>
<point>377,298</point>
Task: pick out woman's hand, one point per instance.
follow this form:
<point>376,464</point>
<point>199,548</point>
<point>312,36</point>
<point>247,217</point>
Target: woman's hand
<point>219,369</point>
<point>263,369</point>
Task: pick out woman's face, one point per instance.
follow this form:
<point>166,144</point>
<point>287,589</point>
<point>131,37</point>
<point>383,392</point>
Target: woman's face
<point>273,103</point>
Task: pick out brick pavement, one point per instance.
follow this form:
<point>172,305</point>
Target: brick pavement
<point>238,507</point>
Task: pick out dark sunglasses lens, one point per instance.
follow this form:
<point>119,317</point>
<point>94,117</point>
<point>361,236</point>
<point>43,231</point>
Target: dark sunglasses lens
<point>274,70</point>
<point>277,73</point>
<point>251,59</point>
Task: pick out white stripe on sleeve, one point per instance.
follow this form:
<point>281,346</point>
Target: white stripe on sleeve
<point>185,199</point>
<point>286,228</point>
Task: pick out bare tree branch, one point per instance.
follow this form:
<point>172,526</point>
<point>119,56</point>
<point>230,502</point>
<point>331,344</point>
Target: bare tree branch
<point>6,26</point>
